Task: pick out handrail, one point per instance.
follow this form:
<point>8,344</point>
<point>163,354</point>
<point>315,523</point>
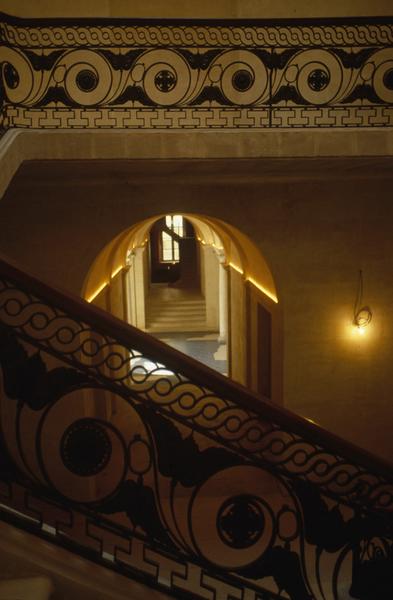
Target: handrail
<point>190,482</point>
<point>204,375</point>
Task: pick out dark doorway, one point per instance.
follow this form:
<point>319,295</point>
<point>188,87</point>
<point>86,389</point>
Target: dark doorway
<point>174,255</point>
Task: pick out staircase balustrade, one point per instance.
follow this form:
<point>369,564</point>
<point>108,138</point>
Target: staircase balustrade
<point>133,455</point>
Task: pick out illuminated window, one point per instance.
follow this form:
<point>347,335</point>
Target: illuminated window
<point>169,246</point>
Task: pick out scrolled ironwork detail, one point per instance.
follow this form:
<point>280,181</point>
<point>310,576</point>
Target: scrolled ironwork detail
<point>282,74</point>
<point>120,452</point>
<point>241,521</point>
<point>128,371</point>
<point>87,80</point>
<point>165,81</point>
<point>85,447</point>
<point>318,80</point>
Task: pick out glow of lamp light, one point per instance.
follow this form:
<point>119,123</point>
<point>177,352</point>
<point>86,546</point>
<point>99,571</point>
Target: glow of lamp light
<point>262,289</point>
<point>97,291</point>
<point>116,271</point>
<point>238,269</point>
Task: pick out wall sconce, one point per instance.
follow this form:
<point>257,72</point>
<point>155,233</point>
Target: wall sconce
<point>362,315</point>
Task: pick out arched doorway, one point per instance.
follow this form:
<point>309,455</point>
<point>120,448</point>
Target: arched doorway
<point>184,302</point>
<point>241,304</point>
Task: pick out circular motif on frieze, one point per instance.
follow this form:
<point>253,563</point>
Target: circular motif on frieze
<point>165,81</point>
<point>320,76</point>
<point>86,80</point>
<point>242,80</point>
<point>11,76</point>
<point>17,74</point>
<point>244,77</point>
<point>318,80</point>
<point>167,77</point>
<point>382,74</point>
<point>388,79</point>
<point>89,78</point>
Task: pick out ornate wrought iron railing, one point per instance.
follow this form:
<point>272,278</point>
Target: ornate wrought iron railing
<point>205,74</point>
<point>129,453</point>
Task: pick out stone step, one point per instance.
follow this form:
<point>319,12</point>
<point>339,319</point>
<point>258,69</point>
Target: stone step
<point>183,328</point>
<point>182,323</point>
<point>176,318</point>
<point>176,308</point>
<point>181,304</point>
<point>160,316</point>
<point>179,314</point>
<point>32,588</point>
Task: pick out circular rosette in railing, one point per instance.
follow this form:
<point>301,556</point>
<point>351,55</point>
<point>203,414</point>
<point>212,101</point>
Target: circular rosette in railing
<point>238,514</point>
<point>21,83</point>
<point>86,458</point>
<point>165,75</point>
<point>381,69</point>
<point>242,76</point>
<point>317,75</point>
<point>87,77</point>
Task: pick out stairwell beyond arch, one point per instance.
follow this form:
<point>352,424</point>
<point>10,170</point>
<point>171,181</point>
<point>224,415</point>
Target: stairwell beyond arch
<point>254,313</point>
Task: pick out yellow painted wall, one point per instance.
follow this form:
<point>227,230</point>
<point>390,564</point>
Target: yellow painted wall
<point>237,329</point>
<point>315,232</point>
<point>116,303</point>
<point>195,8</point>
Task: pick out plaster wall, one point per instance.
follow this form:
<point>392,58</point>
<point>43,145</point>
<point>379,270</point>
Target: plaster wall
<point>116,295</point>
<point>210,285</point>
<point>237,320</point>
<point>196,8</point>
<point>17,146</point>
<point>316,228</point>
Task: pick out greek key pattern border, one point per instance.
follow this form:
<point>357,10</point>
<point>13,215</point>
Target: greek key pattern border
<point>117,549</point>
<point>202,118</point>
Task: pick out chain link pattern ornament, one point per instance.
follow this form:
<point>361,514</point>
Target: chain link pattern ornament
<point>127,74</point>
<point>130,372</point>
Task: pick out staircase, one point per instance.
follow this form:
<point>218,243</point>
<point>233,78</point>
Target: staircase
<point>32,568</point>
<point>121,450</point>
<point>33,588</point>
<point>170,309</point>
